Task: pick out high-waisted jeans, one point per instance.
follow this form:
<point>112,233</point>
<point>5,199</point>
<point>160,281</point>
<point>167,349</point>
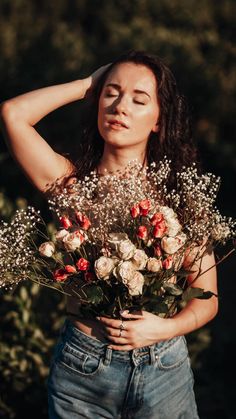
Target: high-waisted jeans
<point>89,380</point>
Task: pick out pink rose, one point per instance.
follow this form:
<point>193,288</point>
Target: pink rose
<point>65,222</point>
<point>167,263</point>
<point>159,229</point>
<point>83,220</point>
<point>157,218</point>
<point>60,275</point>
<point>83,264</point>
<point>144,206</point>
<point>70,269</point>
<point>135,211</point>
<point>142,232</point>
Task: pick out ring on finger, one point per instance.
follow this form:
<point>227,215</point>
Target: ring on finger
<point>121,327</point>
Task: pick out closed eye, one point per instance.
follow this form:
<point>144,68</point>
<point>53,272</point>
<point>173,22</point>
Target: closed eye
<point>139,103</point>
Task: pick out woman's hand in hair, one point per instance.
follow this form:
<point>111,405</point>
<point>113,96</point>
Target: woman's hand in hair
<point>91,81</point>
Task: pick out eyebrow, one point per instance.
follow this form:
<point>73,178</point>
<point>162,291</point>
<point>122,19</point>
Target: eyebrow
<point>118,87</point>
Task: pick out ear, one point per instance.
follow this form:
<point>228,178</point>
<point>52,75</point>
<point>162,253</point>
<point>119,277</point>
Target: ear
<point>155,128</point>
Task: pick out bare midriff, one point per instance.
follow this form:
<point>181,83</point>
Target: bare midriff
<point>90,327</point>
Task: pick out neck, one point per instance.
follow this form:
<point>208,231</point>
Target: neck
<point>117,159</point>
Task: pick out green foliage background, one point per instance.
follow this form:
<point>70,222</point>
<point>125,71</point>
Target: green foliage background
<point>48,42</point>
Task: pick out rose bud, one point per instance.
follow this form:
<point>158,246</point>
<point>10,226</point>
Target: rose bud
<point>157,251</point>
<point>144,206</point>
<point>60,275</point>
<point>135,211</point>
<point>82,264</point>
<point>70,269</point>
<point>47,249</point>
<point>65,222</point>
<point>157,218</point>
<point>83,220</point>
<point>167,263</point>
<point>142,232</point>
<point>159,229</point>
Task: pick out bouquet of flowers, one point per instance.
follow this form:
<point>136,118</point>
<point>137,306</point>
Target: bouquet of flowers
<point>124,241</point>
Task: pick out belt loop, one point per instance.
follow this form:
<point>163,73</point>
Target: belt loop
<point>108,356</point>
<point>152,354</point>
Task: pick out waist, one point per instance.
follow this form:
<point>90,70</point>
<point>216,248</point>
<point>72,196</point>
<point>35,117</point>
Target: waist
<point>90,327</point>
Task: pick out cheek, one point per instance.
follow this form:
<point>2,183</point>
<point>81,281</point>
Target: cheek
<point>146,119</point>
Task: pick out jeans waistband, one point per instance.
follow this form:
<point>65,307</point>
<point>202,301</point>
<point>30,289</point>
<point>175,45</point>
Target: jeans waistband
<point>78,338</point>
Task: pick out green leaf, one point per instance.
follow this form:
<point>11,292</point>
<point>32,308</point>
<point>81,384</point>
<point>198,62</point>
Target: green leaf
<point>192,292</point>
<point>173,289</point>
<point>206,295</point>
<point>94,293</point>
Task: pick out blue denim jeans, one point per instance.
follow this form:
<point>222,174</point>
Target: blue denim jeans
<point>89,380</point>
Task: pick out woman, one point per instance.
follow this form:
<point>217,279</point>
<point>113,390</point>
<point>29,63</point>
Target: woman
<point>106,368</point>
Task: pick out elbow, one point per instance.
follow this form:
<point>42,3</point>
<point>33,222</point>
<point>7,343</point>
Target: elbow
<point>9,111</point>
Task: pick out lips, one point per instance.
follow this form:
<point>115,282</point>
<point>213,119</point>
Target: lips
<point>117,123</point>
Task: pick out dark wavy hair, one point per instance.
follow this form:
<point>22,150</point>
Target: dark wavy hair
<point>174,138</point>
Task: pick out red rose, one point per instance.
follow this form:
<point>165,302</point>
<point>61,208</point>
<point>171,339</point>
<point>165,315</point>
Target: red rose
<point>157,218</point>
<point>167,263</point>
<point>70,269</point>
<point>60,275</point>
<point>65,222</point>
<point>135,211</point>
<point>144,206</point>
<point>82,264</point>
<point>142,232</point>
<point>83,220</point>
<point>159,229</point>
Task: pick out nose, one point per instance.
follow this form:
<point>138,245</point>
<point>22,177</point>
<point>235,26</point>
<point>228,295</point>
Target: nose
<point>121,105</point>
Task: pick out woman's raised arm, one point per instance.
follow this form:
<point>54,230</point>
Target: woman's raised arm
<point>41,164</point>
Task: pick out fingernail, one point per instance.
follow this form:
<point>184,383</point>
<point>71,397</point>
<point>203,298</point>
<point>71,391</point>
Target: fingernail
<point>124,311</point>
<point>98,318</point>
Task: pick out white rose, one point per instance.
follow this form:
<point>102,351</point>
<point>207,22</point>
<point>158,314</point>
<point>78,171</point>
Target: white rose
<point>61,234</point>
<point>167,212</point>
<point>73,241</point>
<point>126,249</point>
<point>172,244</point>
<point>173,227</point>
<point>125,271</point>
<point>154,265</point>
<point>115,238</point>
<point>135,285</point>
<point>47,249</point>
<point>104,266</point>
<point>139,259</point>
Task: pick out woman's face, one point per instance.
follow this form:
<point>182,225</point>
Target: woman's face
<point>128,108</point>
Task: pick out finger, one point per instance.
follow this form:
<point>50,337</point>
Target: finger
<point>115,332</point>
<point>118,340</point>
<point>128,315</point>
<point>110,322</point>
